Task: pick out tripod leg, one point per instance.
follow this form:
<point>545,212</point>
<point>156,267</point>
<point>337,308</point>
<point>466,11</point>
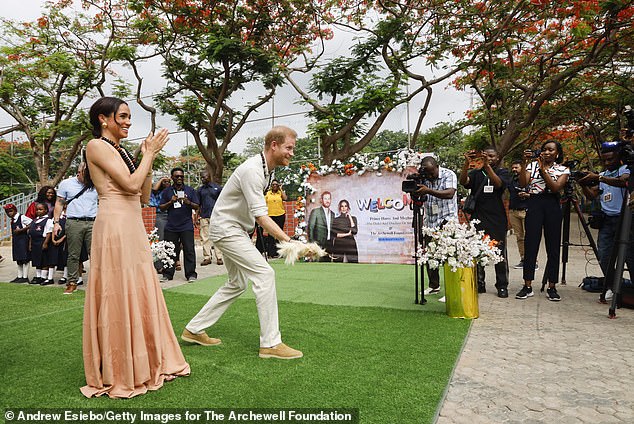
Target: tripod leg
<point>422,268</point>
<point>621,243</point>
<point>565,245</point>
<point>586,229</point>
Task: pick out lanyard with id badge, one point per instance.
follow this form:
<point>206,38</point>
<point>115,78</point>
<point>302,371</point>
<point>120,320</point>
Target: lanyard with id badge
<point>180,194</point>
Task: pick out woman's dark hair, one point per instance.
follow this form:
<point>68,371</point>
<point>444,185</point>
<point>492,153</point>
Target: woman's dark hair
<point>86,177</point>
<point>104,106</point>
<point>560,150</point>
<point>342,201</point>
<point>41,195</point>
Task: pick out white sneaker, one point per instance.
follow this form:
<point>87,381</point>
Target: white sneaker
<point>442,299</point>
<point>609,294</point>
<point>430,290</point>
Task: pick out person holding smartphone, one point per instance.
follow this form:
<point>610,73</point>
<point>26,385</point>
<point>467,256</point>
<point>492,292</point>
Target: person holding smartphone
<point>545,177</point>
<point>180,201</point>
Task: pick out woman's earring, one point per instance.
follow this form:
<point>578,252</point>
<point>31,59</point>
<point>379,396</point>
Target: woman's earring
<point>104,125</point>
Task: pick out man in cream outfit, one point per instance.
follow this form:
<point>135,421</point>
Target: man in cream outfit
<point>240,205</point>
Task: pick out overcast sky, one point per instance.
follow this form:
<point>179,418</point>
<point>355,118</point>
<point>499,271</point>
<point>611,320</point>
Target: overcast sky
<point>447,104</point>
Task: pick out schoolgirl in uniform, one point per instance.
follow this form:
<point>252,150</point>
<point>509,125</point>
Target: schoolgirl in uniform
<point>20,242</point>
<point>59,241</point>
<point>40,234</point>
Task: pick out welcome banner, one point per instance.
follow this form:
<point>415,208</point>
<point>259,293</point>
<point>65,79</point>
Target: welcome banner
<point>378,206</point>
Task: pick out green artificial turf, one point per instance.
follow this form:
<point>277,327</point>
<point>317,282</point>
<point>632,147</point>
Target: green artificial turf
<point>365,346</point>
<point>388,286</point>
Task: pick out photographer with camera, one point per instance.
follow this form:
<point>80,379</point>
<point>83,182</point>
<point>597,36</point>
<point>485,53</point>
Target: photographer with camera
<point>545,177</point>
<point>488,181</point>
<point>439,185</point>
<point>610,186</point>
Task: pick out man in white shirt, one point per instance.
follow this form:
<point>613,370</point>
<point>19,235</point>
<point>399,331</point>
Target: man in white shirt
<point>240,205</point>
<point>81,209</point>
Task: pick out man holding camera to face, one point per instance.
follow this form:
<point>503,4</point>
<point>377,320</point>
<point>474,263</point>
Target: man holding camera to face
<point>487,182</point>
<point>440,185</point>
<point>180,201</point>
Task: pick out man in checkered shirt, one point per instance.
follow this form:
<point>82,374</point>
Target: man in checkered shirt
<point>440,186</point>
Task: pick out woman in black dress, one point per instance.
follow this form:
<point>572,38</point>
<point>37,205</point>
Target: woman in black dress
<point>344,228</point>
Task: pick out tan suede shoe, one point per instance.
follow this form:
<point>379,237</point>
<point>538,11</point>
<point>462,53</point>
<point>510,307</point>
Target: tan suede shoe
<point>202,339</point>
<point>281,351</point>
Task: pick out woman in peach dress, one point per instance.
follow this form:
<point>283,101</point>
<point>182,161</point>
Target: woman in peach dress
<point>129,346</point>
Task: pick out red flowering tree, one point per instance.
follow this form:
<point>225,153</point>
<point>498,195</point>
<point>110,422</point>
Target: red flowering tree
<point>554,55</point>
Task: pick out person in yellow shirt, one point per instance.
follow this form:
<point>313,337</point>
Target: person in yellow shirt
<point>275,198</point>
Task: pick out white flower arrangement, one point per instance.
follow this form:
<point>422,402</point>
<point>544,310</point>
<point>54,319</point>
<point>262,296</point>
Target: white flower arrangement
<point>161,250</point>
<point>459,246</point>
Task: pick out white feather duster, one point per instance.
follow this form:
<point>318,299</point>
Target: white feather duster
<point>293,250</point>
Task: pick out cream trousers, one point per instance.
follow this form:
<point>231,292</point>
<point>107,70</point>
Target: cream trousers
<point>243,263</point>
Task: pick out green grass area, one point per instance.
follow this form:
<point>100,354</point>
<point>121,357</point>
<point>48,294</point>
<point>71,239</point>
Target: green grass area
<point>388,286</point>
<point>366,346</point>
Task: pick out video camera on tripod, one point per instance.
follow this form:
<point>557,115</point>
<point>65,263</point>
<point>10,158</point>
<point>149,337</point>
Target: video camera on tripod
<point>412,183</point>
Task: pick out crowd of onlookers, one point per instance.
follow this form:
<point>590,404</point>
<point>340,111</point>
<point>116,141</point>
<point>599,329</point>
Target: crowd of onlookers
<point>535,184</point>
<point>38,242</point>
<point>54,233</point>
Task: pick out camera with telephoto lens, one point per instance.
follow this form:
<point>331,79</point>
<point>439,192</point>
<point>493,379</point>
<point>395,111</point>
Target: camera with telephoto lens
<point>577,175</point>
<point>412,183</point>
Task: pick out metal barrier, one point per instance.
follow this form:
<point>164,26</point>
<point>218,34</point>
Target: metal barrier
<point>21,201</point>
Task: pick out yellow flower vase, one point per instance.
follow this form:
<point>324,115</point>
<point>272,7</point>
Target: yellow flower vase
<point>461,293</point>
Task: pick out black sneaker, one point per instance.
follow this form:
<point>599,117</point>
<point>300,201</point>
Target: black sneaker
<point>520,265</point>
<point>524,293</point>
<point>482,288</point>
<point>552,295</point>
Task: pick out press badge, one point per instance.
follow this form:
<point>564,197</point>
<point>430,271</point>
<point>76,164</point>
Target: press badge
<point>435,210</point>
<point>177,205</point>
<point>607,197</point>
<point>488,189</point>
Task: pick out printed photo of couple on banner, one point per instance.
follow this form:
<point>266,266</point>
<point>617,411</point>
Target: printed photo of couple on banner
<point>361,218</point>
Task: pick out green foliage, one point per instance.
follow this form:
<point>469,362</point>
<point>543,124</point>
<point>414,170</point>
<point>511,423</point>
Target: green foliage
<point>447,142</point>
<point>48,67</point>
<point>387,141</point>
<point>13,176</point>
<point>210,54</point>
<point>546,58</point>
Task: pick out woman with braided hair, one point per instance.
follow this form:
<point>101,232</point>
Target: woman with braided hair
<point>129,346</point>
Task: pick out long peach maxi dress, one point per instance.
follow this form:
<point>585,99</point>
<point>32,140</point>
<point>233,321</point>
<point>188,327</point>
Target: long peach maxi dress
<point>129,346</point>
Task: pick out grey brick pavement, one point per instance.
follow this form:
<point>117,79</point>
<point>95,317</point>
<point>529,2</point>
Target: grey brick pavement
<point>536,361</point>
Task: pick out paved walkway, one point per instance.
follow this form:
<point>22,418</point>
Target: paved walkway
<point>536,361</point>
